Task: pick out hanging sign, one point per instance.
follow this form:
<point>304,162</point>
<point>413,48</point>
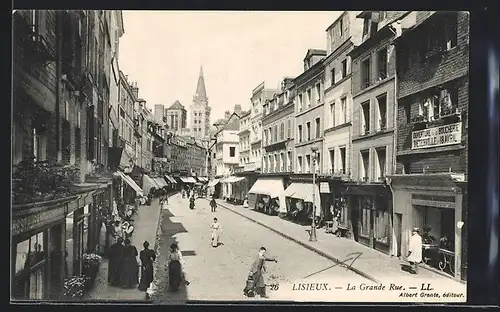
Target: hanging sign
<point>437,136</point>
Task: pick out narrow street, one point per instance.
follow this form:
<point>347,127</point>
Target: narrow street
<point>220,273</point>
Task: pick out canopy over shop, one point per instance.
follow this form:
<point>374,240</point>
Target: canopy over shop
<point>170,179</point>
<point>148,183</point>
<point>299,197</point>
<point>131,183</point>
<point>187,180</point>
<point>266,189</point>
<point>233,189</point>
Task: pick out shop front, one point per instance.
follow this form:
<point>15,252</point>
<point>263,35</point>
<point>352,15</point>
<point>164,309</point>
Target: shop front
<point>370,212</point>
<point>299,202</point>
<point>266,195</point>
<point>215,188</point>
<point>129,190</point>
<point>435,204</point>
<point>235,189</point>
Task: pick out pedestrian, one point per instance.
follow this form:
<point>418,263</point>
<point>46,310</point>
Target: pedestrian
<point>191,202</point>
<point>255,281</point>
<point>114,254</point>
<point>245,202</point>
<point>117,230</point>
<point>216,229</point>
<point>147,257</point>
<point>415,250</point>
<point>175,264</point>
<point>213,204</point>
<point>129,268</point>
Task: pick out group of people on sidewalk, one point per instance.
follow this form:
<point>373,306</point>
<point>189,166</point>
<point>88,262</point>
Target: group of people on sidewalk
<point>123,270</point>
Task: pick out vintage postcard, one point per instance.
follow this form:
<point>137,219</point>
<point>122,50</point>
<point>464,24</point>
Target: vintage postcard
<point>176,156</point>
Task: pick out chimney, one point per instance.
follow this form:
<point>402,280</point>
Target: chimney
<point>227,114</point>
<point>135,90</point>
<point>237,109</point>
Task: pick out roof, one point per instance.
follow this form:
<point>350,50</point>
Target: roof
<point>201,92</point>
<point>311,52</point>
<point>176,105</point>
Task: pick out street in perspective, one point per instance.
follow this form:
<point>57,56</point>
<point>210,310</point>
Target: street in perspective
<point>174,157</point>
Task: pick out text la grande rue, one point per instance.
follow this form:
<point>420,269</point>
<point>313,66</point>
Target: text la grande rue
<point>380,286</point>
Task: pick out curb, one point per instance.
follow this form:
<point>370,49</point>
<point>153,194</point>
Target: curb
<point>312,248</point>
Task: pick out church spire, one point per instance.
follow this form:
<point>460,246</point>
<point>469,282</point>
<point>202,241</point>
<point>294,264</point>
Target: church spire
<point>201,93</point>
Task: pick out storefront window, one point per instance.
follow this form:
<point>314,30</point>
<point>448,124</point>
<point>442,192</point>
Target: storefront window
<point>30,267</point>
<point>86,232</point>
<point>69,245</point>
<point>365,207</point>
<point>382,221</point>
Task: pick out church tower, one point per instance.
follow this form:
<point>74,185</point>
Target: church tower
<point>200,111</point>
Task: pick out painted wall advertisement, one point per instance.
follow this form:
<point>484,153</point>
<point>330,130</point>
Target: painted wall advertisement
<point>437,136</point>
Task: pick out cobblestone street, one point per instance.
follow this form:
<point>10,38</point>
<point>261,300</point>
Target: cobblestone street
<point>220,273</point>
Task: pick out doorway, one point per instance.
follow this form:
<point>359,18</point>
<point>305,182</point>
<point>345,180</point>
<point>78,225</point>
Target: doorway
<point>56,260</point>
<point>398,231</point>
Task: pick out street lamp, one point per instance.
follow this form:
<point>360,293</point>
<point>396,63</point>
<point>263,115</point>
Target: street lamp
<point>312,237</point>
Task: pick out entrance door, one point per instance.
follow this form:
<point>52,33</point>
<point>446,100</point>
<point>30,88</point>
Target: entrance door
<point>398,230</point>
<point>56,260</point>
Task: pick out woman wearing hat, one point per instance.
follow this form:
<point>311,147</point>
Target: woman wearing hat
<point>147,257</point>
<point>415,250</point>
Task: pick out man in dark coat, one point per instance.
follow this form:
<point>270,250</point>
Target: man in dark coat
<point>114,255</point>
<point>257,270</point>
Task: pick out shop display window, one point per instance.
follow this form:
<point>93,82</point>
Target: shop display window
<point>365,206</point>
<point>30,266</point>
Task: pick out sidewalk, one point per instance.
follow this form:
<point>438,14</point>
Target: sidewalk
<point>145,223</point>
<point>371,264</point>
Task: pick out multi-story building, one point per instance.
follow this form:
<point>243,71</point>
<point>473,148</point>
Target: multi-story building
<point>430,184</point>
<point>127,98</point>
<point>176,117</point>
<point>61,79</point>
<point>342,36</point>
<point>244,138</point>
<point>146,137</point>
<point>227,146</point>
<point>309,112</point>
<point>195,157</point>
<point>259,96</point>
<point>373,91</point>
<point>159,114</point>
<point>200,111</point>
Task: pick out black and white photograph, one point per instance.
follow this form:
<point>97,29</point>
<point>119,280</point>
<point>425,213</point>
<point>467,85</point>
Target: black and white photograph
<point>170,157</point>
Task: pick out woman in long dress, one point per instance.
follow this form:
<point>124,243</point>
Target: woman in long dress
<point>215,233</point>
<point>175,263</point>
<point>147,257</point>
<point>130,268</point>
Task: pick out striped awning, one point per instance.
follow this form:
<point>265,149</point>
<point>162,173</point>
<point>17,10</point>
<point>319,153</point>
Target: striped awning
<point>188,179</point>
<point>131,183</point>
<point>161,182</point>
<point>170,179</point>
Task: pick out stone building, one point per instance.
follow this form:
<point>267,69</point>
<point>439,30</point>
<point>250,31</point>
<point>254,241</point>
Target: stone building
<point>430,184</point>
<point>373,124</point>
<point>128,96</point>
<point>176,117</point>
<point>244,139</point>
<point>227,146</point>
<point>199,112</point>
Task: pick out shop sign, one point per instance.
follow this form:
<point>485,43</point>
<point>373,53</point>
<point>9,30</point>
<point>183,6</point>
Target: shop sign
<point>31,222</point>
<point>437,136</point>
<point>324,187</point>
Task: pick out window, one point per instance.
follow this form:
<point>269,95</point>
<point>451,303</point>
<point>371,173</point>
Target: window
<point>382,64</point>
<point>282,131</point>
<point>308,164</point>
<point>381,157</point>
<point>300,103</point>
<point>317,163</point>
<point>365,111</point>
<point>382,112</point>
<point>332,72</point>
<point>318,127</point>
<point>365,207</point>
<point>270,135</point>
<point>276,163</point>
<point>318,93</point>
<point>332,160</point>
<point>31,256</point>
<point>308,126</point>
<point>275,133</point>
<point>299,134</point>
<point>39,144</point>
<point>289,160</point>
<point>265,137</point>
<point>365,74</point>
<point>232,151</point>
<point>381,15</point>
<point>282,162</point>
<point>343,110</point>
<point>341,27</point>
<point>366,26</point>
<point>343,160</point>
<point>289,129</point>
<point>332,114</point>
<point>365,165</point>
<point>287,94</point>
<point>299,164</point>
<point>309,100</point>
<point>344,68</point>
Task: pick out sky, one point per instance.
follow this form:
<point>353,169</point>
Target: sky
<point>163,50</point>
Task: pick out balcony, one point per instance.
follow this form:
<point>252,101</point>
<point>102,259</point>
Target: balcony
<point>419,121</point>
<point>450,113</point>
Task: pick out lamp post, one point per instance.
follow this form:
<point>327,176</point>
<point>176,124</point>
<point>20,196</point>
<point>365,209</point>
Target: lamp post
<point>312,237</point>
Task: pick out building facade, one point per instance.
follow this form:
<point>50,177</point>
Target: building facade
<point>342,36</point>
<point>200,111</point>
<point>430,184</point>
<point>244,139</point>
<point>227,147</point>
<point>176,117</point>
<point>309,112</point>
<point>373,124</point>
<point>127,99</point>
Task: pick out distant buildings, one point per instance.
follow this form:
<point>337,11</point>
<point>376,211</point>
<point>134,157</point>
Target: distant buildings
<point>199,111</point>
<point>176,117</point>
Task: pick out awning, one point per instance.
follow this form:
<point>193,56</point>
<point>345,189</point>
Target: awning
<point>303,191</point>
<point>170,179</point>
<point>272,187</point>
<point>234,179</point>
<point>131,183</point>
<point>213,182</point>
<point>188,179</point>
<point>161,182</point>
<point>203,179</point>
<point>148,183</point>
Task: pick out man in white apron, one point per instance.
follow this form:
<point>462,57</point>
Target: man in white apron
<point>415,250</point>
